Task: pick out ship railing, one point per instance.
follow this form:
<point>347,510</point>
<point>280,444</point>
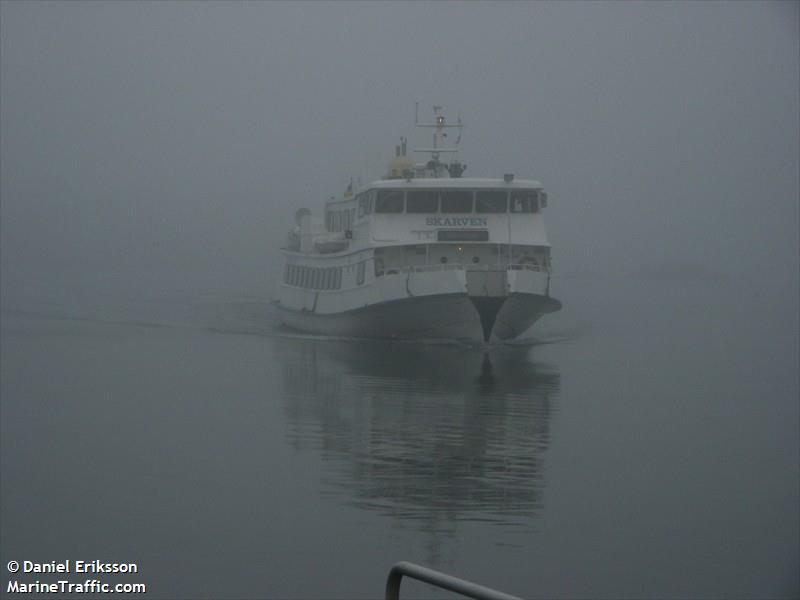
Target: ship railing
<point>440,580</point>
<point>462,266</point>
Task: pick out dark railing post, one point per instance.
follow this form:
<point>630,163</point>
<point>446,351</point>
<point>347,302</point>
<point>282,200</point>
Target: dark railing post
<point>438,579</point>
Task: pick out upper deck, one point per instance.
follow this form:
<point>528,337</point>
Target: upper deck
<point>430,203</point>
<point>431,210</point>
<point>472,183</point>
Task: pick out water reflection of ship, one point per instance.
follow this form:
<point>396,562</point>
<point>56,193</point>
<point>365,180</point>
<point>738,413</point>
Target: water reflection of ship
<point>431,434</point>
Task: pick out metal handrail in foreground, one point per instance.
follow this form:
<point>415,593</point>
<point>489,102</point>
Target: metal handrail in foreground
<point>441,580</point>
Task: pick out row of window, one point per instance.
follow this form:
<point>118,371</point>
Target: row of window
<point>317,278</point>
<point>313,277</point>
<point>449,201</point>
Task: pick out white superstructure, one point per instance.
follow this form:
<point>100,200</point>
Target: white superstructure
<point>424,253</point>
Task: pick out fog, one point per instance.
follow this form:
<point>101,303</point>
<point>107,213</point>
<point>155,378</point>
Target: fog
<point>152,145</point>
<point>646,443</point>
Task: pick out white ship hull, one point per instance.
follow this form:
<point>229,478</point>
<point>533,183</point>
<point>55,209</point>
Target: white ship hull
<point>447,316</point>
<point>421,305</point>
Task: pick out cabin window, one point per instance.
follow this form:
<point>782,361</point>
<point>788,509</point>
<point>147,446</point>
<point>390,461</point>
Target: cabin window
<point>456,201</point>
<point>389,201</point>
<point>422,202</point>
<point>363,203</point>
<point>493,201</point>
<point>524,201</point>
<point>362,268</point>
<point>337,278</point>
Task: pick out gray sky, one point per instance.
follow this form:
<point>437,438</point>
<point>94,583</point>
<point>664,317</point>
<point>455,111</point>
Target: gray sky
<point>179,138</point>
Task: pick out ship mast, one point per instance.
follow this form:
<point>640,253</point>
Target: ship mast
<point>437,168</point>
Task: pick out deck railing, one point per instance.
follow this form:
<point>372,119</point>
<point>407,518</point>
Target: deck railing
<point>458,266</point>
<point>440,580</point>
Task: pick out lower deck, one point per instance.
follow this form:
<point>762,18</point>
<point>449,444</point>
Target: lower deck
<point>475,285</point>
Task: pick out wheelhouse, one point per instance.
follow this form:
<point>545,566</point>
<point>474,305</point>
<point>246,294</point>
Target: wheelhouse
<point>450,201</point>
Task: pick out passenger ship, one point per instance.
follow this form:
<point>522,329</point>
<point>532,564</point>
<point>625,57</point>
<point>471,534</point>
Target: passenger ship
<point>423,253</point>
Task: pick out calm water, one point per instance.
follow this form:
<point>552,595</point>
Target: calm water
<point>643,444</point>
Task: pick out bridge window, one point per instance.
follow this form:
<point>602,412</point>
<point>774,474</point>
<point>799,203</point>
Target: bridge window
<point>524,201</point>
<point>456,201</point>
<point>493,201</point>
<point>362,267</point>
<point>389,201</point>
<point>422,202</point>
